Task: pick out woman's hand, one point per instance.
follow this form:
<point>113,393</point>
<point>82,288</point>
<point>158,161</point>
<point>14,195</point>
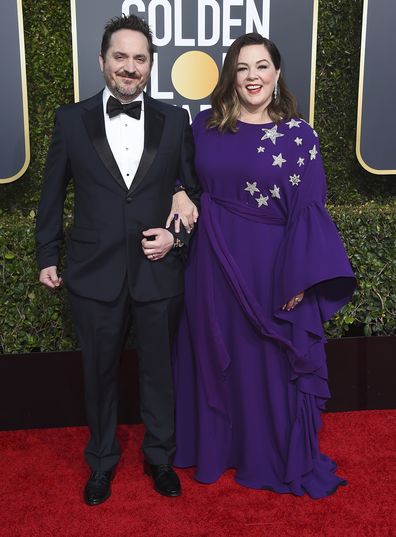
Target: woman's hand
<point>293,302</point>
<point>182,209</point>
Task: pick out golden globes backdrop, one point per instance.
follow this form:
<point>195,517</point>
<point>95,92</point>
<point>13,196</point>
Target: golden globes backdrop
<point>192,37</point>
<point>376,138</point>
<point>14,129</point>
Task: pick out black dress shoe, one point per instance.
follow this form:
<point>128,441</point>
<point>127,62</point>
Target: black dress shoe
<point>98,487</point>
<point>164,478</point>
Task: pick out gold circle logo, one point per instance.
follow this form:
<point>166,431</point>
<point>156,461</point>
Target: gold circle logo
<point>195,74</point>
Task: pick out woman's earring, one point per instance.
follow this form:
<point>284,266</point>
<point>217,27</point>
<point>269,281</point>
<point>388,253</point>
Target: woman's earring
<point>276,92</point>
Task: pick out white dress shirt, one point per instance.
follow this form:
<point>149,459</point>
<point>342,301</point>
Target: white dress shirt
<point>126,138</point>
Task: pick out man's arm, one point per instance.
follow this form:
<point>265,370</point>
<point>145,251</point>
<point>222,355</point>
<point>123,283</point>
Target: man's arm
<point>49,223</point>
<point>186,200</point>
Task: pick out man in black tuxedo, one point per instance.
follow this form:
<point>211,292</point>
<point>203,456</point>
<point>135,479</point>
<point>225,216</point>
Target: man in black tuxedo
<point>127,155</point>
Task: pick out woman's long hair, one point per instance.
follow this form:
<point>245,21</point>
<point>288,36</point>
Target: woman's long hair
<point>225,102</point>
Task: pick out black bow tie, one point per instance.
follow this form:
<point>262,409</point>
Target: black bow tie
<point>132,109</point>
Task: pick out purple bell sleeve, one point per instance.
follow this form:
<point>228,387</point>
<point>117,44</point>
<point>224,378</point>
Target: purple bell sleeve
<point>312,257</point>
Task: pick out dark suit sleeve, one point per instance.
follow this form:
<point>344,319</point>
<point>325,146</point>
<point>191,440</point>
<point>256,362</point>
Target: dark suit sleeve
<point>49,223</point>
<point>186,175</point>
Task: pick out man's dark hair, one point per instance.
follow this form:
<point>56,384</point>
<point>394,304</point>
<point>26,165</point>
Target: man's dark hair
<point>130,22</point>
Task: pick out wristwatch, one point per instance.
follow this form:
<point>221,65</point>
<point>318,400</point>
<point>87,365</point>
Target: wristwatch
<point>179,188</point>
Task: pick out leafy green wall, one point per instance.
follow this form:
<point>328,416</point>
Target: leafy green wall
<point>363,205</point>
<point>49,69</point>
<point>337,82</point>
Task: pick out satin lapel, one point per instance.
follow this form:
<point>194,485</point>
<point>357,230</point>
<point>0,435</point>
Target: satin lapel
<point>94,122</point>
<point>153,126</point>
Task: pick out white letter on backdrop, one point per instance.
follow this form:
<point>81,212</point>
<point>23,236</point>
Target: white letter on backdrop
<point>152,20</point>
<point>228,22</point>
<point>204,41</point>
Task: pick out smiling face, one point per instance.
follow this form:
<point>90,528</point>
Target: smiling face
<point>126,66</point>
<point>255,79</point>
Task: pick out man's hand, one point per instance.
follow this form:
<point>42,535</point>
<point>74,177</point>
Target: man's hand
<point>158,248</point>
<point>293,302</point>
<point>185,210</point>
<point>49,277</point>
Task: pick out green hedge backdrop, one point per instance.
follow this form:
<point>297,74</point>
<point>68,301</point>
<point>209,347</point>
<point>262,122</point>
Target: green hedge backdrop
<point>362,205</point>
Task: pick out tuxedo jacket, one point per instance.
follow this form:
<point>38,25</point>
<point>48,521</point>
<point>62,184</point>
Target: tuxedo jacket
<point>104,244</point>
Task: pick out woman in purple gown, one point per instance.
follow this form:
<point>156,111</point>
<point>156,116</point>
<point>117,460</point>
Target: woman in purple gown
<point>266,268</point>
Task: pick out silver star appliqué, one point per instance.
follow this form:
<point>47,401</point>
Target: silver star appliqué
<point>293,123</point>
<point>313,152</point>
<point>275,192</point>
<point>278,160</point>
<point>294,179</point>
<point>251,187</point>
<point>262,200</point>
<point>315,134</point>
<point>272,134</point>
<point>298,141</point>
<point>300,162</point>
<point>260,149</point>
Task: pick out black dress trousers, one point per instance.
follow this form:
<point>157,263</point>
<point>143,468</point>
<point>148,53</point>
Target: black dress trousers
<point>101,329</point>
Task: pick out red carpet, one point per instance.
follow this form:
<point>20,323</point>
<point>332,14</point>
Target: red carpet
<point>42,474</point>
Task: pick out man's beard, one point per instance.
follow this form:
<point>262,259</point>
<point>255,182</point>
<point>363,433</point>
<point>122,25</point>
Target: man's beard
<point>125,93</point>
